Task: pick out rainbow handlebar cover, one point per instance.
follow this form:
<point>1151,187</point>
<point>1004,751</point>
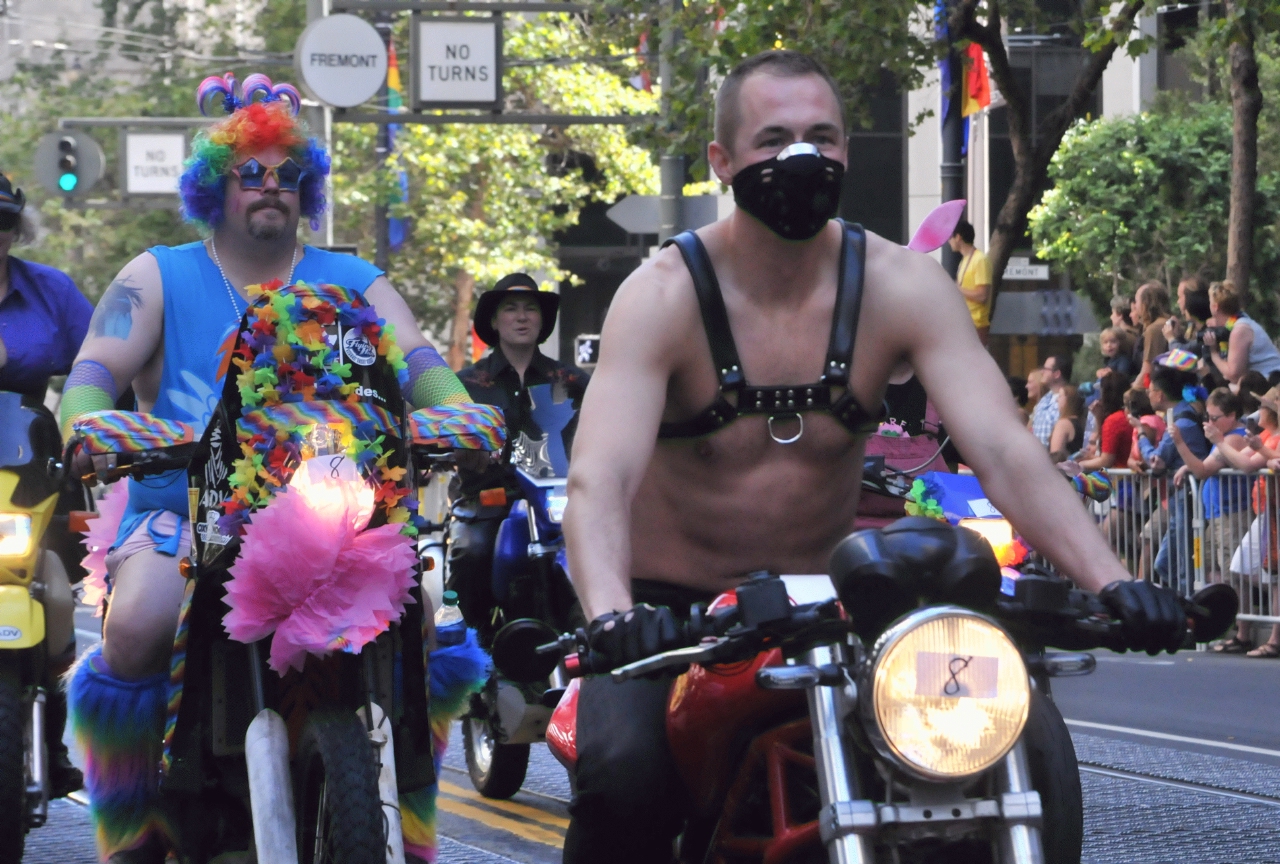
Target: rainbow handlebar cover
<point>129,432</point>
<point>465,426</point>
<point>293,415</point>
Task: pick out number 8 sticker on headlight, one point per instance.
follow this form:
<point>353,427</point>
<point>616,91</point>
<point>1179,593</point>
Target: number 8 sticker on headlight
<point>957,676</point>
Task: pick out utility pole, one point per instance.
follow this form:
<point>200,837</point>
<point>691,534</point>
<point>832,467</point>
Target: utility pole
<point>320,120</point>
<point>382,226</point>
<point>952,139</point>
<point>670,164</point>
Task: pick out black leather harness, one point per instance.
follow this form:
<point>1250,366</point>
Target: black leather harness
<point>787,400</point>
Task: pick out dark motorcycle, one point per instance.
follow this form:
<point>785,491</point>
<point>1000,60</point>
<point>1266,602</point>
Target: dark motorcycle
<point>507,561</point>
<point>897,710</point>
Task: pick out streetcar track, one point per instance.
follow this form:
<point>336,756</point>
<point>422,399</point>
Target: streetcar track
<point>1138,777</point>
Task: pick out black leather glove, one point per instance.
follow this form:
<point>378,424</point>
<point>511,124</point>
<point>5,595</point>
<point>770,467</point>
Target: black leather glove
<point>1152,617</point>
<point>619,638</point>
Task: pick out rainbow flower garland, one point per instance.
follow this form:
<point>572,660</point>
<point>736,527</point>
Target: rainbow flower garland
<point>922,500</point>
<point>290,379</point>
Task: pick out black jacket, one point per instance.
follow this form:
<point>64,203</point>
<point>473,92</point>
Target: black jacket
<point>493,381</point>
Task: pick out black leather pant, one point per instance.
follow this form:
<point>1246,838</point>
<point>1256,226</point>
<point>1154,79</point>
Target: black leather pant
<point>629,803</point>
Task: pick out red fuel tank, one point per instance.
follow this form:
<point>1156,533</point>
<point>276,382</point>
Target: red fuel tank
<point>712,715</point>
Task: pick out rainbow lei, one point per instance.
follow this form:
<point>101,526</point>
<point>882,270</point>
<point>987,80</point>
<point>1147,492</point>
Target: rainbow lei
<point>290,379</point>
<point>921,503</point>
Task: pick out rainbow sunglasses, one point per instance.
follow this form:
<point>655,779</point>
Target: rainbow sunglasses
<point>253,174</point>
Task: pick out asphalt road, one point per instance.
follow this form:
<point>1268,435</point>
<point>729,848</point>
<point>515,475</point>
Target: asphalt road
<point>1180,761</point>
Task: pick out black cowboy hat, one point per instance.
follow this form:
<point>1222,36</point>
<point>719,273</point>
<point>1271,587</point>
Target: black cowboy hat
<point>516,283</point>
<point>11,200</point>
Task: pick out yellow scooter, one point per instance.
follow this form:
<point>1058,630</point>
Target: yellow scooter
<point>37,633</point>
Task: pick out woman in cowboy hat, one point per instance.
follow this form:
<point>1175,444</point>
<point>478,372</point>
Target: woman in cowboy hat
<point>515,318</point>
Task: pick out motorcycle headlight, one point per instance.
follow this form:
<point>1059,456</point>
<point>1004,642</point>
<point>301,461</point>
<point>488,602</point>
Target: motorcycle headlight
<point>15,534</point>
<point>557,500</point>
<point>949,693</point>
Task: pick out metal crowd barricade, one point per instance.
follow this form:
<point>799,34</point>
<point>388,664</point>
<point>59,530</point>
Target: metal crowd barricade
<point>1246,543</point>
<point>1185,536</point>
<point>1153,526</point>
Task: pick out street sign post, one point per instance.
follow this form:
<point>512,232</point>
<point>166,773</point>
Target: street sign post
<point>641,214</point>
<point>457,63</point>
<point>1022,268</point>
<point>153,162</point>
<point>68,163</point>
<point>341,60</point>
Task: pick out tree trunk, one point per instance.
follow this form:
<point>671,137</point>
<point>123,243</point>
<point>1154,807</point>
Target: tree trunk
<point>464,289</point>
<point>1032,149</point>
<point>464,285</point>
<point>1246,104</point>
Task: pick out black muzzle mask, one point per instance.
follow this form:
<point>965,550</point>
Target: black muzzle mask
<point>794,194</point>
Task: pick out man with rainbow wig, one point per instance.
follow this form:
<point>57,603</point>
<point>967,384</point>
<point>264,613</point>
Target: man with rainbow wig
<point>166,326</point>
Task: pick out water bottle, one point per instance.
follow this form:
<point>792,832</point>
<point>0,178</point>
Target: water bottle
<point>450,628</point>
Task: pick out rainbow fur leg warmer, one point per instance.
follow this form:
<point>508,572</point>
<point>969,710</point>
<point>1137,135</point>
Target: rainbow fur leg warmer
<point>431,381</point>
<point>455,672</point>
<point>119,725</point>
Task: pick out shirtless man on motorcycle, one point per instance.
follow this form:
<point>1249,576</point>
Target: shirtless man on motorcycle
<point>166,326</point>
<point>717,439</point>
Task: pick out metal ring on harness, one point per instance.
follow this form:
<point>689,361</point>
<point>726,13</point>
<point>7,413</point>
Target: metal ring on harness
<point>794,438</point>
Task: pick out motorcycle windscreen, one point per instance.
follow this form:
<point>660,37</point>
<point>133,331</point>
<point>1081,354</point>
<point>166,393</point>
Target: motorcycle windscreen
<point>546,455</point>
<point>16,422</point>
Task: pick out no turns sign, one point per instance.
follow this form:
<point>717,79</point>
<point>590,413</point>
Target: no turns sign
<point>458,63</point>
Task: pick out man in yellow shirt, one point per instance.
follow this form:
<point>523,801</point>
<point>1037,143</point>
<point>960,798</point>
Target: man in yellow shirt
<point>974,278</point>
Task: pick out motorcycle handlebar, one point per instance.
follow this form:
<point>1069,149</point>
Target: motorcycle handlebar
<point>715,637</point>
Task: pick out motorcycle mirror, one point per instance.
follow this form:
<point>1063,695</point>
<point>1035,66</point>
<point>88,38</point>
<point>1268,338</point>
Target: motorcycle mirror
<point>874,589</point>
<point>1218,606</point>
<point>515,651</point>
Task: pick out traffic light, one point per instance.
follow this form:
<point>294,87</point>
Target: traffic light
<point>68,164</point>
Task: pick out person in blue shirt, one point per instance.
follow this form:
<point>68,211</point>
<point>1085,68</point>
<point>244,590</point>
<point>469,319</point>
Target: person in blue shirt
<point>43,316</point>
<point>43,320</point>
<point>167,326</point>
<point>1173,390</point>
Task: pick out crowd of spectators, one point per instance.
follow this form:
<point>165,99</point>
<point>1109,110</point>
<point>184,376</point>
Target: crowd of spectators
<point>1185,391</point>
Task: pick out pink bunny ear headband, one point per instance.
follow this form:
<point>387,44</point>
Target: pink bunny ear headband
<point>218,94</point>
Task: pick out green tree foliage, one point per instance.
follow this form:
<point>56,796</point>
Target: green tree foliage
<point>859,41</point>
<point>1146,197</point>
<point>488,200</point>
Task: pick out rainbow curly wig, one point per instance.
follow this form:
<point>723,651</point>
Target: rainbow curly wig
<point>262,115</point>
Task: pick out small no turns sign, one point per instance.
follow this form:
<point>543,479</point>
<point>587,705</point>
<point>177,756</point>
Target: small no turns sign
<point>341,60</point>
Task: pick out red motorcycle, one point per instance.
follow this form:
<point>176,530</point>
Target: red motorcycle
<point>896,711</point>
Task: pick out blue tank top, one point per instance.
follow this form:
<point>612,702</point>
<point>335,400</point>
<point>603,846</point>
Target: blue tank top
<point>197,307</point>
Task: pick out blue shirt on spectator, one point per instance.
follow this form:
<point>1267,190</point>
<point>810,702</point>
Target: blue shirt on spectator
<point>43,320</point>
<point>1188,422</point>
<point>1223,496</point>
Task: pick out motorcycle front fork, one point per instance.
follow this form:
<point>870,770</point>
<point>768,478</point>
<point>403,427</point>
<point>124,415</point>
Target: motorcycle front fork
<point>848,821</point>
<point>38,766</point>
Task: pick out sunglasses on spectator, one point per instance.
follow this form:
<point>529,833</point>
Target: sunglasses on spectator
<point>9,219</point>
<point>253,174</point>
<point>1213,419</point>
